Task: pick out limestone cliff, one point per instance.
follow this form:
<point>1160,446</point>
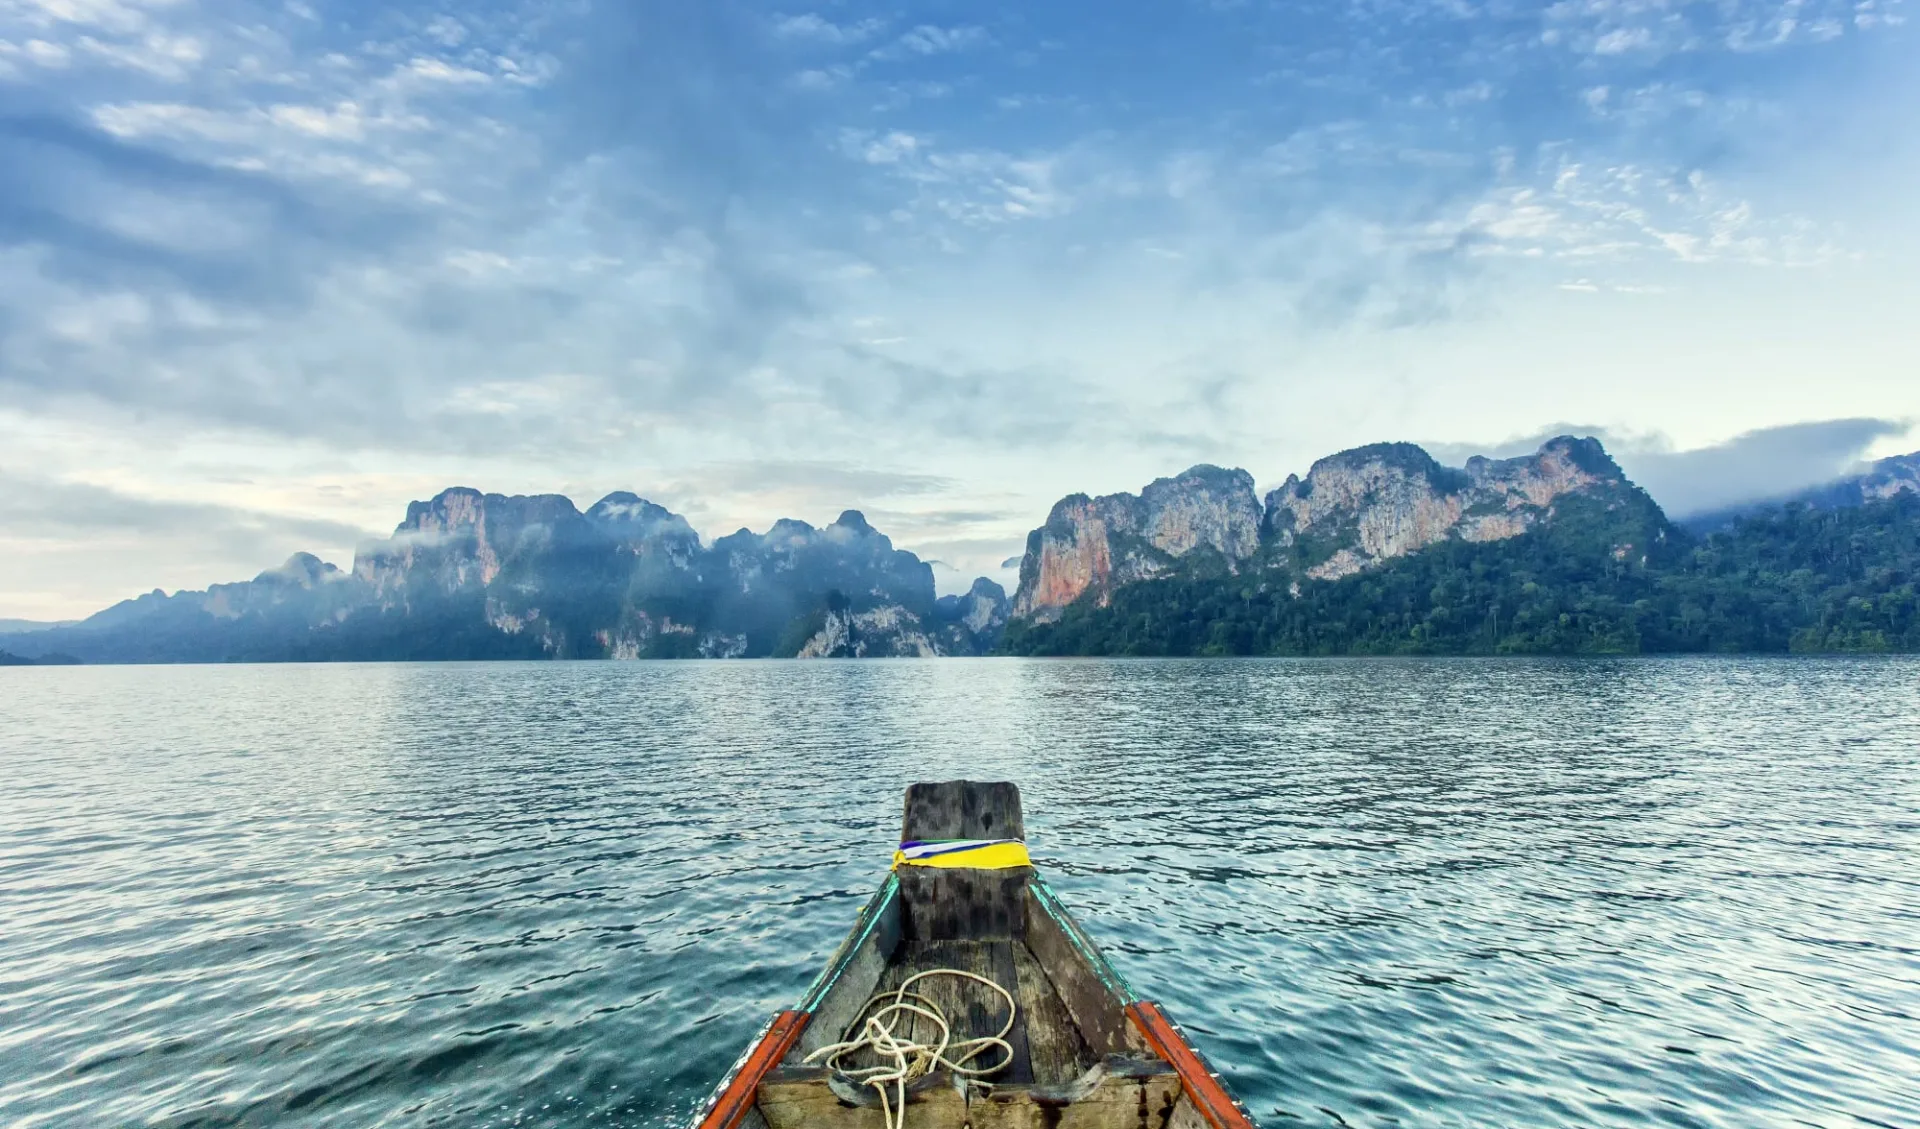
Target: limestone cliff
<point>850,556</point>
<point>1352,511</point>
<point>1094,544</point>
<point>1371,504</point>
<point>460,540</point>
<point>1897,475</point>
<point>887,631</point>
<point>642,529</point>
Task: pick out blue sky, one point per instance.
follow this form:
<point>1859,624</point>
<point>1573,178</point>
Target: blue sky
<point>269,271</point>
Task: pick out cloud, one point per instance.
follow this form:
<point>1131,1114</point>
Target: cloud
<point>1621,40</point>
<point>814,28</point>
<point>74,547</point>
<point>55,509</point>
<point>846,479</point>
<point>931,39</point>
<point>1755,466</point>
<point>521,243</point>
<point>954,579</point>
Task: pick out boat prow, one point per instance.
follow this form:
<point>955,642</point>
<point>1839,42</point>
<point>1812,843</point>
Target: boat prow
<point>909,1023</point>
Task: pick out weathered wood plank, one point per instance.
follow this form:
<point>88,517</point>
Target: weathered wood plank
<point>1099,1014</point>
<point>1054,1045</point>
<point>963,809</point>
<point>963,905</point>
<point>1147,1100</point>
<point>1186,1115</point>
<point>799,1098</point>
<point>1048,1047</point>
<point>972,1010</point>
<point>1202,1085</point>
<point>858,979</point>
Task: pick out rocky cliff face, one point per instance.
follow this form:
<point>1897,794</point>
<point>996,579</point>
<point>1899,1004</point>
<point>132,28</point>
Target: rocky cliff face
<point>1897,475</point>
<point>1351,512</point>
<point>1094,544</point>
<point>1371,504</point>
<point>640,528</point>
<point>982,610</point>
<point>849,556</point>
<point>888,631</point>
<point>460,541</point>
<point>474,575</point>
<point>966,624</point>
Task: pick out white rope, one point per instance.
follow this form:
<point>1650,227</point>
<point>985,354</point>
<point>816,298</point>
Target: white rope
<point>911,1060</point>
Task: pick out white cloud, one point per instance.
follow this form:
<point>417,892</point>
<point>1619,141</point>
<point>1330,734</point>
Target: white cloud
<point>34,52</point>
<point>447,31</point>
<point>930,39</point>
<point>1621,40</point>
<point>115,16</point>
<point>283,140</point>
<point>973,187</point>
<point>343,121</point>
<point>1623,212</point>
<point>887,149</point>
<point>822,78</point>
<point>1474,92</point>
<point>171,57</point>
<point>175,119</point>
<point>815,28</point>
<point>439,70</point>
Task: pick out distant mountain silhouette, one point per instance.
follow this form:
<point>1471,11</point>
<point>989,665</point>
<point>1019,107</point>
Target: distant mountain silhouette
<point>468,575</point>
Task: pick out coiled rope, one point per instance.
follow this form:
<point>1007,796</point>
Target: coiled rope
<point>910,1060</point>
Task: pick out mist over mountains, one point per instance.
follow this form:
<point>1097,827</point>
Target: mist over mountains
<point>1376,549</point>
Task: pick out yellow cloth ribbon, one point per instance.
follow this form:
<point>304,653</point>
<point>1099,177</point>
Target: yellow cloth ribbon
<point>968,854</point>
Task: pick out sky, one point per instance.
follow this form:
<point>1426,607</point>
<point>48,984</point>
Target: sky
<point>269,271</point>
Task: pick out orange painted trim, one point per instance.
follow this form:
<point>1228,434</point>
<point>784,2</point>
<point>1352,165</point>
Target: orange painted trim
<point>1201,1084</point>
<point>743,1089</point>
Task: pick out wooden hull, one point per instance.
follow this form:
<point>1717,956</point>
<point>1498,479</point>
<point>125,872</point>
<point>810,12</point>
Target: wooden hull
<point>1086,1051</point>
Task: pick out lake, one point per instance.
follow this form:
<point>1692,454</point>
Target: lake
<point>1679,892</point>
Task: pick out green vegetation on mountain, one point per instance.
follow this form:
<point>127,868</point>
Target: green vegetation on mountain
<point>1600,577</point>
<point>8,659</point>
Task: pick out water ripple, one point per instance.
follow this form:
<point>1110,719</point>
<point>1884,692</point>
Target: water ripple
<point>1434,893</point>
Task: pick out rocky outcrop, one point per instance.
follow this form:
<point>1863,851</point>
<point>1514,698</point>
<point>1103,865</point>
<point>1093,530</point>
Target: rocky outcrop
<point>461,540</point>
<point>1352,511</point>
<point>640,528</point>
<point>981,610</point>
<point>971,623</point>
<point>888,631</point>
<point>1897,475</point>
<point>1371,504</point>
<point>849,556</point>
<point>966,624</point>
<point>1095,544</point>
<point>474,575</point>
<point>305,588</point>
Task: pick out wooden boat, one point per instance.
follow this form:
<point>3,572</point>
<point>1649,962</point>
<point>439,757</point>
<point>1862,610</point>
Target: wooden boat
<point>964,907</point>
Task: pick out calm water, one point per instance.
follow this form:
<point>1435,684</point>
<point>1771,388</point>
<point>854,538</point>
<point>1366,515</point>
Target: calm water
<point>1447,893</point>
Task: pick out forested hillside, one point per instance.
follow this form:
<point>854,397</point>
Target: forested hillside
<point>1796,579</point>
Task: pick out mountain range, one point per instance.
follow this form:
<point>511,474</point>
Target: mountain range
<point>1377,549</point>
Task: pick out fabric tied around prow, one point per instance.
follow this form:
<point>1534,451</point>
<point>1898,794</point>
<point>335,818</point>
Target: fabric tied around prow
<point>967,854</point>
